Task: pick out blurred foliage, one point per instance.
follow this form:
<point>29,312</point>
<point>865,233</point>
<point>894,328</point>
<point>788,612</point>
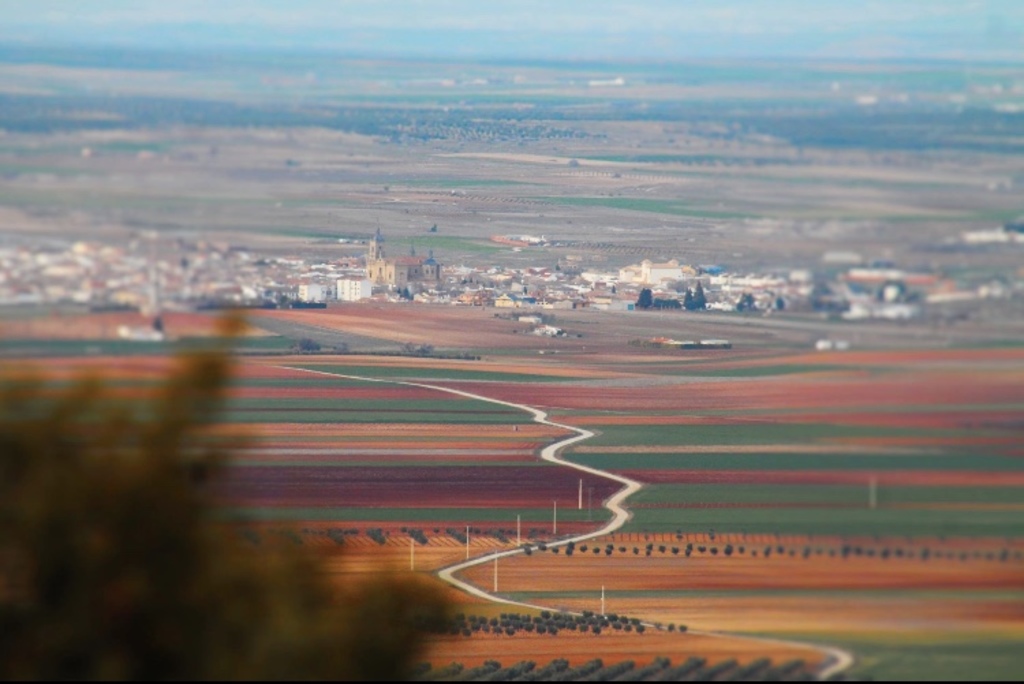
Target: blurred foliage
<point>113,567</point>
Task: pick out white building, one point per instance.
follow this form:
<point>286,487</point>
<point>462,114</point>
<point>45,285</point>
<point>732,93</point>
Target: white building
<point>648,272</point>
<point>630,274</point>
<point>139,334</point>
<point>730,283</point>
<point>892,312</point>
<point>1001,234</point>
<point>354,289</point>
<point>652,273</point>
<point>829,345</point>
<point>599,277</point>
<point>312,292</point>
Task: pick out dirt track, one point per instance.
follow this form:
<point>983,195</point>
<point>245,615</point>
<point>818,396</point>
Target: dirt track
<point>836,660</point>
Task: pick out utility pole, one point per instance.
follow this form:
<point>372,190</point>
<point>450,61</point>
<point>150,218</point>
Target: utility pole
<point>581,495</point>
<point>519,531</point>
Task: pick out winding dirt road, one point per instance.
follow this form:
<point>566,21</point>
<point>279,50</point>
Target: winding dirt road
<point>837,660</point>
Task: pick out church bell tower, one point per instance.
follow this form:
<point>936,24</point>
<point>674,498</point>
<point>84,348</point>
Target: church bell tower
<point>376,252</point>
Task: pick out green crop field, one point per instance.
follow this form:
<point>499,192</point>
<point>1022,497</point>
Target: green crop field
<point>836,495</point>
<point>749,433</point>
<point>414,373</point>
<point>303,382</point>
<point>880,462</point>
<point>957,657</point>
<point>644,204</point>
<point>116,348</point>
<point>455,244</point>
<point>28,348</point>
<point>269,343</point>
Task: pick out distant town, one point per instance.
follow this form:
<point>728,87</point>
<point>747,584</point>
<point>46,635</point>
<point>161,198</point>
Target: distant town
<point>152,274</point>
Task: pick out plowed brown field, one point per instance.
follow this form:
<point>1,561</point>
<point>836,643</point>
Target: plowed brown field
<point>361,557</point>
<point>610,647</point>
<point>780,594</point>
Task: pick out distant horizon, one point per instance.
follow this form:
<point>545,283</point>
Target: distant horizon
<point>9,48</point>
<point>599,30</point>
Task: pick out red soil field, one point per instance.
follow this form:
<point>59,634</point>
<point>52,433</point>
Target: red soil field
<point>678,419</point>
<point>97,326</point>
<point>361,556</point>
<point>894,617</point>
<point>435,325</point>
<point>406,487</point>
<point>901,358</point>
<point>438,326</point>
<point>410,365</point>
<point>664,572</point>
<point>383,443</point>
<point>882,442</point>
<point>361,551</point>
<point>566,396</point>
<point>470,458</point>
<point>121,368</point>
<point>610,647</point>
<point>258,368</point>
<point>770,393</point>
<point>430,432</point>
<point>409,451</point>
<point>940,420</point>
<point>767,610</point>
<point>506,522</point>
<point>386,392</point>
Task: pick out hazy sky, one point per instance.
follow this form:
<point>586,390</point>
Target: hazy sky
<point>969,29</point>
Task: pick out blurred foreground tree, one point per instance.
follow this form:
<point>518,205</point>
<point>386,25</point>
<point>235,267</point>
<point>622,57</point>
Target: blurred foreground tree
<point>112,566</point>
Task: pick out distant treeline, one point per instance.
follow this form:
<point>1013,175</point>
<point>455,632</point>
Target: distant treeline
<point>57,113</point>
<point>884,127</point>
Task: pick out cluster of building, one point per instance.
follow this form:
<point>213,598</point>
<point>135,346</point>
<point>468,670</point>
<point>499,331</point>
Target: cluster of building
<point>854,291</point>
<point>135,274</point>
<point>147,274</point>
<point>150,275</point>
